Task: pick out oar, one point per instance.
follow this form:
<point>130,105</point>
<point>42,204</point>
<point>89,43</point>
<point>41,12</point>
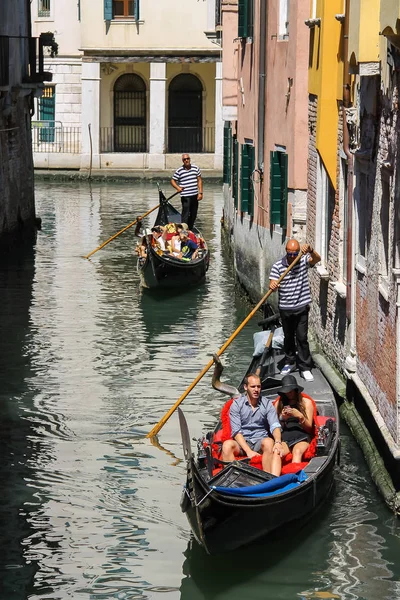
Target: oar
<point>165,418</point>
<point>127,227</point>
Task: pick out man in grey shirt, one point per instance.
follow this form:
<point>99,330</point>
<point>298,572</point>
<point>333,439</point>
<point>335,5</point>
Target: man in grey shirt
<point>255,428</point>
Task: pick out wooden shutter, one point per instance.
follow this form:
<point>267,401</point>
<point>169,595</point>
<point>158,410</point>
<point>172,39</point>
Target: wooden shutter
<point>137,9</point>
<point>275,189</point>
<point>108,10</point>
<point>284,191</point>
<point>227,153</point>
<point>235,174</point>
<point>251,153</point>
<point>243,18</point>
<point>244,179</point>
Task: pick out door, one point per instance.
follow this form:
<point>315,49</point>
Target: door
<point>185,114</point>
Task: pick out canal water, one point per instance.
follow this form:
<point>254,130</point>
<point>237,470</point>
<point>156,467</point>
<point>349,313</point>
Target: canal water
<point>89,362</point>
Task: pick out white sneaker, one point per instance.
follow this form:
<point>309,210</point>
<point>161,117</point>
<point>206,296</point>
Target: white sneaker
<point>307,375</point>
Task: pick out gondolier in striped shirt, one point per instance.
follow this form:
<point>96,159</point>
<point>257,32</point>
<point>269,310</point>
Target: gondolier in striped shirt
<point>187,180</point>
<point>294,306</point>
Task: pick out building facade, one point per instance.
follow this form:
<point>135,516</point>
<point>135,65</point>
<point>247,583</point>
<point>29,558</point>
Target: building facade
<point>21,74</point>
<point>265,63</point>
<point>135,84</point>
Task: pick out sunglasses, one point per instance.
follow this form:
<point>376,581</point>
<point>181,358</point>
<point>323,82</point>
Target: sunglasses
<point>186,159</point>
<point>292,253</point>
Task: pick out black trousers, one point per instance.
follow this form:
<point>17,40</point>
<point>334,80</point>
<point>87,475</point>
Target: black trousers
<point>295,329</point>
<point>190,206</point>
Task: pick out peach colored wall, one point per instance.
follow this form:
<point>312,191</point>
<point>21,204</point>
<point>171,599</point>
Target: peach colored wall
<point>286,117</point>
<point>229,55</point>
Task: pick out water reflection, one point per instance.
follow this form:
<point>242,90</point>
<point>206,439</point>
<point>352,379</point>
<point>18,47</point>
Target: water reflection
<point>89,363</point>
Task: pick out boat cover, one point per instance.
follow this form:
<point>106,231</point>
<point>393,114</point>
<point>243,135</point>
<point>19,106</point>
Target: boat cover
<point>277,485</point>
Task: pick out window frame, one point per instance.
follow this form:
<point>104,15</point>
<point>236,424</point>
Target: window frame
<point>283,20</point>
<point>44,14</point>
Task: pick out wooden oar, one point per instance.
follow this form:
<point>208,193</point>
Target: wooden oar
<point>127,227</point>
<point>165,418</point>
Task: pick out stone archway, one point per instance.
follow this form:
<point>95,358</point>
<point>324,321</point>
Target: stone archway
<point>130,114</point>
<point>185,114</point>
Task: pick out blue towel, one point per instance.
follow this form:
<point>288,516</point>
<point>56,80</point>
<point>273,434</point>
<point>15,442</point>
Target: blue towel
<point>276,485</point>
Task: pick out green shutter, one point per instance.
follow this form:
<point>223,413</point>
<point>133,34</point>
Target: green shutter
<point>137,9</point>
<point>235,174</point>
<point>284,191</point>
<point>244,179</point>
<point>243,18</point>
<point>108,10</point>
<point>47,112</point>
<point>226,168</point>
<point>275,189</point>
<point>251,151</point>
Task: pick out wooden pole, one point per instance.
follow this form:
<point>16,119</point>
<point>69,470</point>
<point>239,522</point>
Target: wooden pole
<point>165,418</point>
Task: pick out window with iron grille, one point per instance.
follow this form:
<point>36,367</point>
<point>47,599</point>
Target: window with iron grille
<point>44,8</point>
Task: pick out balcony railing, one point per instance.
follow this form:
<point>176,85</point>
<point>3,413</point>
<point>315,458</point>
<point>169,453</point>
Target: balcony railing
<point>49,136</point>
<point>191,139</point>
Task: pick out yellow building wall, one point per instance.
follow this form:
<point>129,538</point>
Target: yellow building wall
<point>326,80</point>
<point>364,30</point>
<point>389,16</point>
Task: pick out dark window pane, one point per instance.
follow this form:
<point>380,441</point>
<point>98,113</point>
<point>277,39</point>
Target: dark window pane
<point>131,8</point>
<point>118,8</point>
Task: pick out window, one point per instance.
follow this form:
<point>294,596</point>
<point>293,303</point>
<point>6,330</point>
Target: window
<point>278,188</point>
<point>245,20</point>
<point>246,179</point>
<point>121,9</point>
<point>362,211</point>
<point>384,241</point>
<point>227,153</point>
<point>44,8</point>
<point>344,217</point>
<point>324,212</point>
<point>283,26</point>
<point>4,61</point>
<point>47,114</point>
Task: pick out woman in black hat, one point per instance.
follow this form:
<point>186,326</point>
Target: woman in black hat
<point>296,415</point>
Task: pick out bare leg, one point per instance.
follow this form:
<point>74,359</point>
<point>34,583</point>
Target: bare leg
<point>298,451</point>
<point>228,450</point>
<point>267,446</point>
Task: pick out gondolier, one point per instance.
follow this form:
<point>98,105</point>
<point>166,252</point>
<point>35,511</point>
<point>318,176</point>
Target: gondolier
<point>187,180</point>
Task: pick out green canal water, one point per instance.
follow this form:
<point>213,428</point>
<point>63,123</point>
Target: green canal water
<point>89,508</point>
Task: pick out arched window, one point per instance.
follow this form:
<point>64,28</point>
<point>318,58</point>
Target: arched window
<point>130,114</point>
<point>185,114</point>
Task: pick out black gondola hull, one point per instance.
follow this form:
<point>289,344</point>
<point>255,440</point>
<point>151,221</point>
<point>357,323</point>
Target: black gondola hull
<point>170,273</point>
<point>223,523</point>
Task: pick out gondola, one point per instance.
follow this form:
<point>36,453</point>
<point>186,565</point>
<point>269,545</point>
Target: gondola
<point>229,505</point>
<point>162,270</point>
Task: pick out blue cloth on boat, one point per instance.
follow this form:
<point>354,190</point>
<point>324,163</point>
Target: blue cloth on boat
<point>277,485</point>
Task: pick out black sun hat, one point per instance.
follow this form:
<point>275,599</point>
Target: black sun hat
<point>289,383</point>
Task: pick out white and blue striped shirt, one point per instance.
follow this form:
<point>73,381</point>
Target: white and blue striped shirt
<point>187,178</point>
<point>294,289</point>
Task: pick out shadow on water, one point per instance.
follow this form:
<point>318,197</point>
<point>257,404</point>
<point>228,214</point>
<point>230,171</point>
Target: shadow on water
<point>16,451</point>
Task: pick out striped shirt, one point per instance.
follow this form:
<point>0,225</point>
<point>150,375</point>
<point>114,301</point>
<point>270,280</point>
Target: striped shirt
<point>294,289</point>
<point>253,424</point>
<point>187,178</point>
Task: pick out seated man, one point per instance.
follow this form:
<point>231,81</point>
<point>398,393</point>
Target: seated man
<point>189,249</point>
<point>255,428</point>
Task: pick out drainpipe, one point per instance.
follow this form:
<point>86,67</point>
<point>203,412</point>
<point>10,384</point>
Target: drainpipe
<point>350,363</point>
<point>262,84</point>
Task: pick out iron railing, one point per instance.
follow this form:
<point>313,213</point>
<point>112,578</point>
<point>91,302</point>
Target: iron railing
<point>48,136</point>
<point>123,138</point>
<point>191,139</point>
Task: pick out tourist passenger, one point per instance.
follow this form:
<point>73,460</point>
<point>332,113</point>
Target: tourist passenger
<point>294,306</point>
<point>296,416</point>
<point>255,428</point>
<point>189,249</point>
<point>160,237</point>
<point>187,180</point>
